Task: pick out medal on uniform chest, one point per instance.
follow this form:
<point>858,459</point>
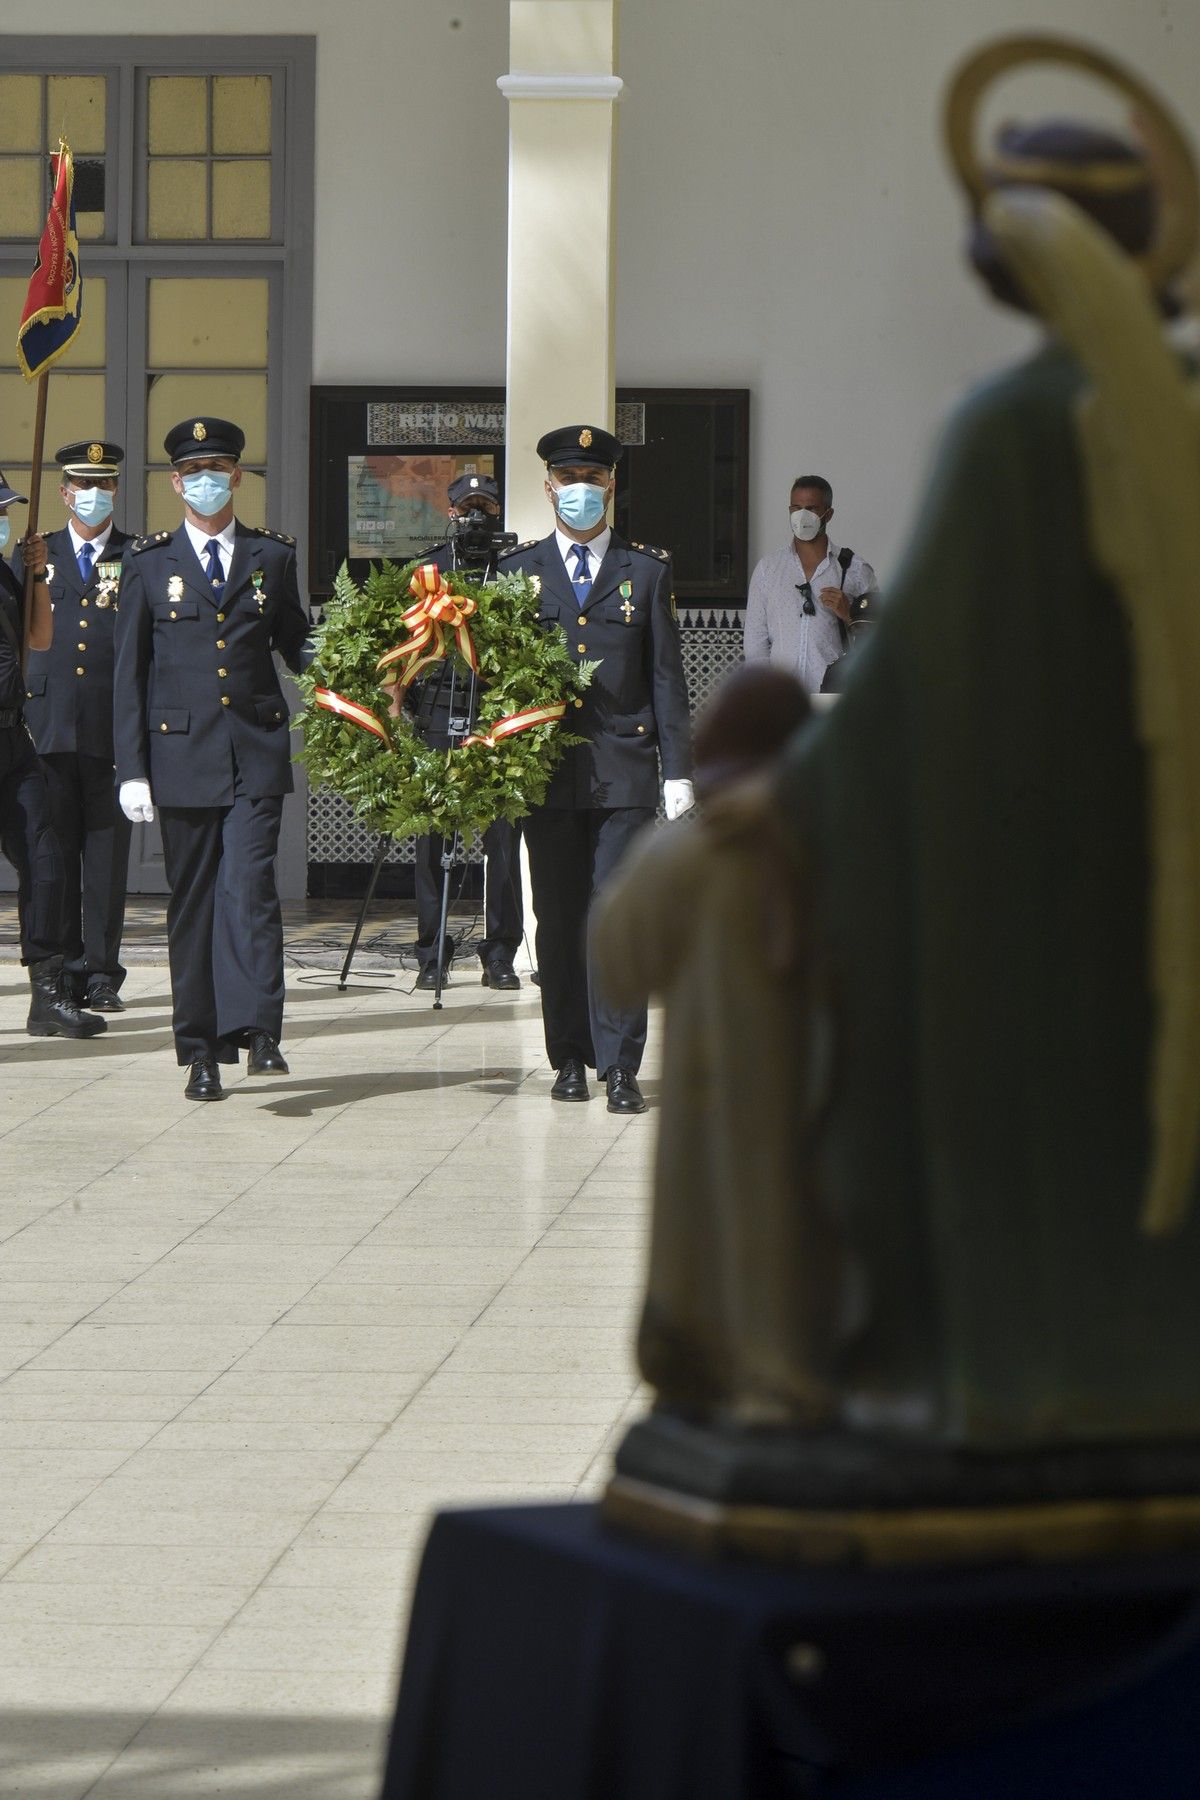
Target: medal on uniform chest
<point>49,576</point>
<point>535,582</point>
<point>257,578</point>
<point>175,588</point>
<point>627,606</point>
<point>108,577</point>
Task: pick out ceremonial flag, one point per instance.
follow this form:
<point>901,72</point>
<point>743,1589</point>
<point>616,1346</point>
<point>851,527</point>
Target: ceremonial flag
<point>55,299</point>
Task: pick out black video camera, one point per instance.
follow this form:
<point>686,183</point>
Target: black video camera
<point>477,541</point>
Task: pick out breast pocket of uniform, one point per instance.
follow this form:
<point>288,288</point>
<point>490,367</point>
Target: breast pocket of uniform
<point>254,603</point>
<point>270,713</point>
<point>163,720</point>
<point>625,613</point>
<point>170,612</point>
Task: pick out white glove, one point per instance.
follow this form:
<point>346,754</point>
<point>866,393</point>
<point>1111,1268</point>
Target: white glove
<point>678,798</point>
<point>135,801</point>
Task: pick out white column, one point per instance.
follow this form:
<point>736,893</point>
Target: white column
<point>561,92</point>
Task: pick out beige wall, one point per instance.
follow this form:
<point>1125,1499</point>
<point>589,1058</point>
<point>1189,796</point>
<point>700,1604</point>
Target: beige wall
<point>786,222</point>
<point>791,226</point>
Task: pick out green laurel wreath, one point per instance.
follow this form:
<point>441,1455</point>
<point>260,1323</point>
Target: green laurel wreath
<point>407,787</point>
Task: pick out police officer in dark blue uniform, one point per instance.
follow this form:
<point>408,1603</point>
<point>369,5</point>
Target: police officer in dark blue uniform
<point>614,601</point>
<point>504,919</point>
<point>69,710</point>
<point>201,729</point>
<point>26,825</point>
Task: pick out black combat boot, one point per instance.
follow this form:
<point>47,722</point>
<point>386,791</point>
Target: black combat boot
<point>53,1012</point>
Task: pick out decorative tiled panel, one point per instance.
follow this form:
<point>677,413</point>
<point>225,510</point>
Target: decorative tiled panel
<point>474,422</point>
<point>712,645</point>
<point>436,422</point>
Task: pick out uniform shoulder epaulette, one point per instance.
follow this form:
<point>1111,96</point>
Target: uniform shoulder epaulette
<point>277,537</point>
<point>652,550</point>
<point>517,548</point>
<point>138,544</point>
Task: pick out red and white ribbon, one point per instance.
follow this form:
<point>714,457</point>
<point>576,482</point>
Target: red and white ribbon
<point>351,710</point>
<point>522,721</point>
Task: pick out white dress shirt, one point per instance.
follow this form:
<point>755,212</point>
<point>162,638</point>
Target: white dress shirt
<point>776,627</point>
<point>200,540</point>
<point>96,544</point>
<point>596,548</point>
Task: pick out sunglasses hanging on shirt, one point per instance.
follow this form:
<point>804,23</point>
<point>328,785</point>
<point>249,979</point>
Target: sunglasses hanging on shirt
<point>805,588</point>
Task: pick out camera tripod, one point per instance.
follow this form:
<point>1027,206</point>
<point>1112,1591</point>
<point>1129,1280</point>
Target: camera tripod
<point>460,724</point>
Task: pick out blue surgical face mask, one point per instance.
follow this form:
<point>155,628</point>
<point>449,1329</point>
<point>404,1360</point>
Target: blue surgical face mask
<point>5,533</point>
<point>91,506</point>
<point>208,492</point>
<point>580,504</point>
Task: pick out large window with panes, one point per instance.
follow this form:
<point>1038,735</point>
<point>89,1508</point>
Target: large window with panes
<point>193,204</point>
<point>193,195</point>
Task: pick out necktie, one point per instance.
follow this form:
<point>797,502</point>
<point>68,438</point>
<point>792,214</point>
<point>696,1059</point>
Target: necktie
<point>214,570</point>
<point>581,580</point>
<point>85,559</point>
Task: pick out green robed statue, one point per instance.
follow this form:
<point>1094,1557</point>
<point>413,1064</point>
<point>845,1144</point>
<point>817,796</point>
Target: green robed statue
<point>925,1266</point>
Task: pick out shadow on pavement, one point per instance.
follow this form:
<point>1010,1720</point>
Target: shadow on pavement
<point>175,1756</point>
<point>290,1098</point>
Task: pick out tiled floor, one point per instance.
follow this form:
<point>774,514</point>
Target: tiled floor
<point>245,1348</point>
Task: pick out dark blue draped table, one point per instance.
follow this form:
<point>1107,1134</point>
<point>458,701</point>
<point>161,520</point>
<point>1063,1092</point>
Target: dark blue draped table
<point>550,1658</point>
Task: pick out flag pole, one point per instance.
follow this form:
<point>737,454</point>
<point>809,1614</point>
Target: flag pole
<point>35,496</point>
<point>48,323</point>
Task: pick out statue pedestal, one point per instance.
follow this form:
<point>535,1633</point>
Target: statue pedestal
<point>821,1497</point>
<point>549,1656</point>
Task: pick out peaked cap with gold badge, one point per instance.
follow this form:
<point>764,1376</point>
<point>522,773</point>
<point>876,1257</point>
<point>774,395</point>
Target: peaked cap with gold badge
<point>204,437</point>
<point>580,446</point>
<point>92,458</point>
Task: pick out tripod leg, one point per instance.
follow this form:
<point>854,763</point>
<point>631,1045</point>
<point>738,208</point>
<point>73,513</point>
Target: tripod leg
<point>449,858</point>
<point>380,853</point>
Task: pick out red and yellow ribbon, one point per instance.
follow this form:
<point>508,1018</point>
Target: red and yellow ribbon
<point>522,721</point>
<point>436,615</point>
<point>351,710</point>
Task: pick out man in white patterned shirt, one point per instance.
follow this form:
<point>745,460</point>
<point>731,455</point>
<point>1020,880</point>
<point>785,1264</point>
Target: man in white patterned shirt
<point>805,601</point>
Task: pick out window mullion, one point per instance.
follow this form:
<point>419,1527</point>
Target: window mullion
<point>132,156</point>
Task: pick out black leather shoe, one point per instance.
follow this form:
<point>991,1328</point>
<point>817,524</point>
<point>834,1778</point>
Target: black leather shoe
<point>265,1058</point>
<point>204,1080</point>
<point>427,978</point>
<point>572,1081</point>
<point>102,996</point>
<point>498,972</point>
<point>624,1094</point>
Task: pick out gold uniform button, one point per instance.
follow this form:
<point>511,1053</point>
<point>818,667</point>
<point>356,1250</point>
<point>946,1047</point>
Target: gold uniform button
<point>583,618</point>
<point>641,728</point>
<point>582,649</point>
<point>79,671</point>
<point>81,646</point>
<point>220,643</point>
<point>83,624</point>
<point>174,615</point>
<point>224,699</point>
<point>579,703</point>
<point>222,673</point>
<point>164,728</point>
<point>83,602</point>
<point>220,618</point>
